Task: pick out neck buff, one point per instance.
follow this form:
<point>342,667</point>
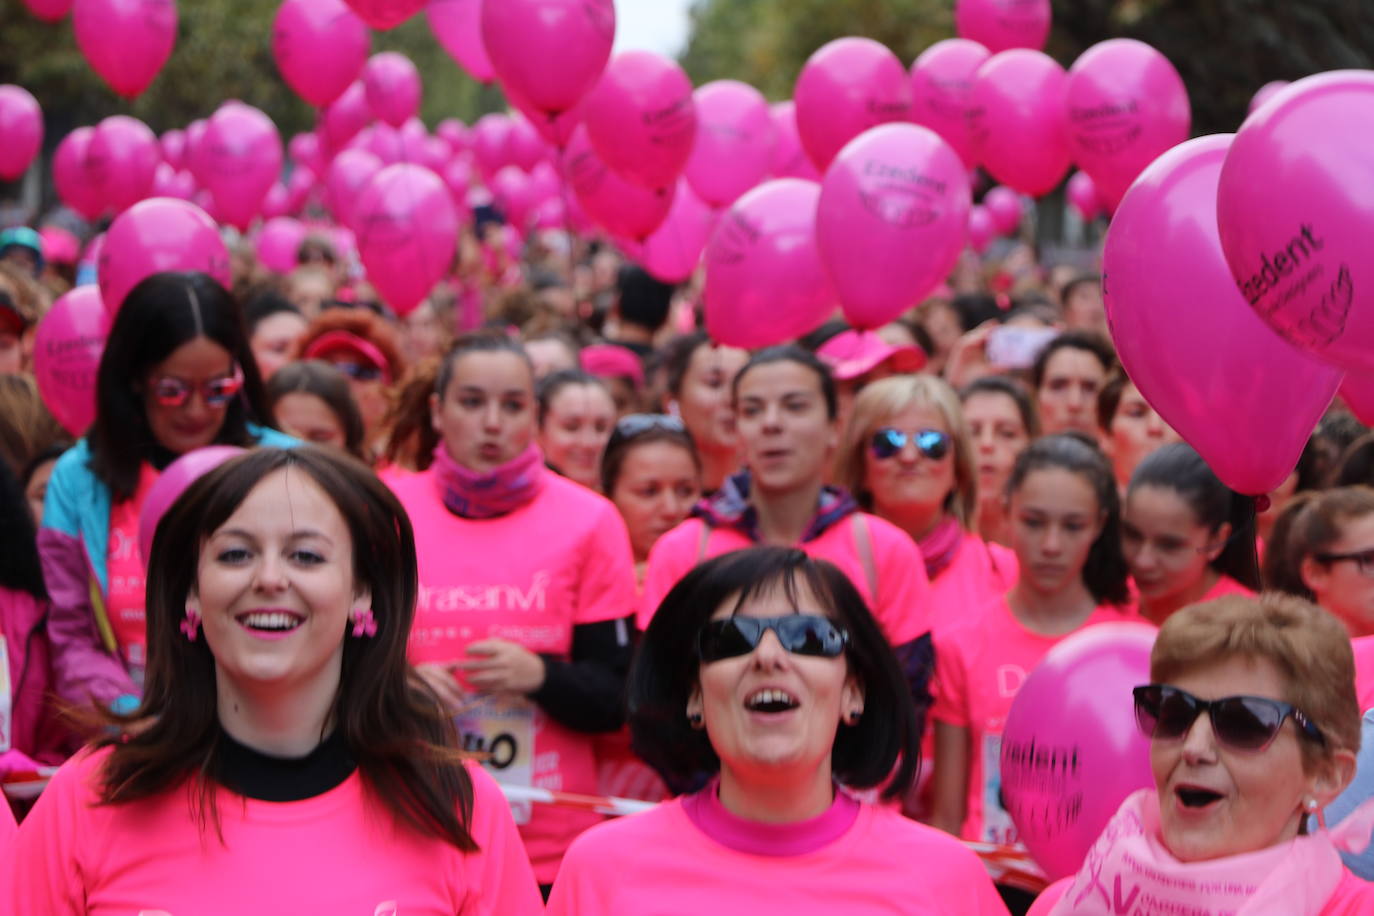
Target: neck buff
<point>941,546</point>
<point>497,492</point>
<point>1128,870</point>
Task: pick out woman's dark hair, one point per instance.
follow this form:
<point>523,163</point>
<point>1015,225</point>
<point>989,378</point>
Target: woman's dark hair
<point>1104,572</point>
<point>1178,467</point>
<point>1310,523</point>
<point>394,726</point>
<point>20,570</point>
<point>160,314</point>
<point>636,429</point>
<point>263,306</point>
<point>818,338</point>
<point>791,353</point>
<point>996,384</point>
<point>1087,341</point>
<point>1356,464</point>
<point>321,379</point>
<point>1109,399</point>
<point>487,341</point>
<point>554,382</point>
<point>973,309</point>
<point>882,749</point>
<point>677,358</point>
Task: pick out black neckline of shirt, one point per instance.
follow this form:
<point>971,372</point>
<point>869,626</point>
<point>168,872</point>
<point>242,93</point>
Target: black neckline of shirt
<point>264,777</point>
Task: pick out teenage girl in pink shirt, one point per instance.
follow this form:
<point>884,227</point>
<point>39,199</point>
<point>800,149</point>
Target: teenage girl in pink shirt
<point>284,759</point>
<point>1187,536</point>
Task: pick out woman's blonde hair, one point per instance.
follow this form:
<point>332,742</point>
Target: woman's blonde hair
<point>882,400</point>
<point>1309,647</point>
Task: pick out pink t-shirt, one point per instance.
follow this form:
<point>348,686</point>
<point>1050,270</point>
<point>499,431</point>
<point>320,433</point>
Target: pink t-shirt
<point>902,606</point>
<point>665,862</point>
<point>527,577</point>
<point>1364,671</point>
<point>979,667</point>
<point>124,603</point>
<point>7,826</point>
<point>981,572</point>
<point>340,852</point>
<point>1352,897</point>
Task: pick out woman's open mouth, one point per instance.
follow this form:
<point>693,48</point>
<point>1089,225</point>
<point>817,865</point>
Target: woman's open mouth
<point>771,701</point>
<point>270,624</point>
<point>1196,798</point>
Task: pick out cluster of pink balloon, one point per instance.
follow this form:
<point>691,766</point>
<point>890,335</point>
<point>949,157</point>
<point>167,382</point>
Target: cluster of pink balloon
<point>126,42</point>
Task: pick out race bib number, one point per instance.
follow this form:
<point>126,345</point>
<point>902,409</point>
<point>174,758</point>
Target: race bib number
<point>5,696</point>
<point>501,729</point>
<point>997,824</point>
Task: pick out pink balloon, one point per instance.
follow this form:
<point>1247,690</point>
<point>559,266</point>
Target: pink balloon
<point>344,181</point>
<point>304,149</point>
<point>846,87</point>
<point>59,245</point>
<point>21,124</point>
<point>891,220</point>
<point>171,483</point>
<point>1017,121</point>
<point>344,118</point>
<point>556,129</point>
<point>277,243</point>
<point>544,183</point>
<point>240,158</point>
<point>1267,92</point>
<point>1126,104</point>
<point>524,147</point>
<point>1000,25</point>
<point>550,52</point>
<point>168,182</point>
<point>491,143</point>
<point>195,132</point>
<point>641,118</point>
<point>1357,390</point>
<point>382,141</point>
<point>66,355</point>
<point>789,159</point>
<point>275,203</point>
<point>76,184</point>
<point>157,235</point>
<point>621,208</point>
<point>49,10</point>
<point>407,233</point>
<point>458,176</point>
<point>455,133</point>
<point>510,187</point>
<point>1071,749</point>
<point>1082,194</point>
<point>764,280</point>
<point>1004,206</point>
<point>673,252</point>
<point>320,47</point>
<point>734,141</point>
<point>1188,339</point>
<point>173,144</point>
<point>1296,212</point>
<point>981,229</point>
<point>457,26</point>
<point>125,41</point>
<point>942,89</point>
<point>123,157</point>
<point>298,188</point>
<point>385,14</point>
<point>393,87</point>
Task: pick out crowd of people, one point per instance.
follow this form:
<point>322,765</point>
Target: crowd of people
<point>543,533</point>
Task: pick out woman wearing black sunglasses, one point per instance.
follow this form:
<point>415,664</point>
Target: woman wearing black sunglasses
<point>1322,549</point>
<point>1253,727</point>
<point>177,374</point>
<point>788,691</point>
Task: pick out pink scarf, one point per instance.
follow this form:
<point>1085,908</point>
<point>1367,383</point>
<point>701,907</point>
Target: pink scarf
<point>941,546</point>
<point>1128,870</point>
<point>497,492</point>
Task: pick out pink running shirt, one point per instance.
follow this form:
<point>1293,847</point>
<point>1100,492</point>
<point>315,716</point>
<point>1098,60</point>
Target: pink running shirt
<point>124,604</point>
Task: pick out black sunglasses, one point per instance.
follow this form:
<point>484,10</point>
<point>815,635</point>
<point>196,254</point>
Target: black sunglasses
<point>1363,559</point>
<point>800,634</point>
<point>1245,723</point>
<point>888,442</point>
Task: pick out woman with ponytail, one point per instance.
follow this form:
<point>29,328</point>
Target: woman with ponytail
<point>1322,549</point>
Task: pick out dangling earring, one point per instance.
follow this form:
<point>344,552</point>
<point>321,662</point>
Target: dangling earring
<point>1315,810</point>
<point>190,625</point>
<point>694,719</point>
<point>364,624</point>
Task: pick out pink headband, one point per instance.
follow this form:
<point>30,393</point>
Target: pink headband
<point>347,340</point>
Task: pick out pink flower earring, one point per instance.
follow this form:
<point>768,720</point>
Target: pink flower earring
<point>364,624</point>
<point>191,624</point>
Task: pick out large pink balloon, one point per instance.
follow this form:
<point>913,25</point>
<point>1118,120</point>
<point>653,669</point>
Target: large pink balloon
<point>156,235</point>
<point>621,208</point>
<point>350,172</point>
<point>789,159</point>
<point>386,14</point>
<point>49,10</point>
<point>942,90</point>
<point>345,118</point>
<point>1266,92</point>
<point>1296,213</point>
<point>891,220</point>
<point>21,124</point>
<point>641,118</point>
<point>1357,390</point>
<point>734,142</point>
<point>550,52</point>
<point>1188,339</point>
<point>556,128</point>
<point>407,233</point>
<point>76,184</point>
<point>126,41</point>
<point>673,251</point>
<point>1126,104</point>
<point>240,157</point>
<point>457,26</point>
<point>1017,121</point>
<point>66,355</point>
<point>764,280</point>
<point>393,87</point>
<point>1000,25</point>
<point>1071,751</point>
<point>320,47</point>
<point>277,243</point>
<point>171,483</point>
<point>846,87</point>
<point>123,157</point>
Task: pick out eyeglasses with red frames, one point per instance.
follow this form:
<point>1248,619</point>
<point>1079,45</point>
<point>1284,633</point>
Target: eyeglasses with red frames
<point>170,391</point>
